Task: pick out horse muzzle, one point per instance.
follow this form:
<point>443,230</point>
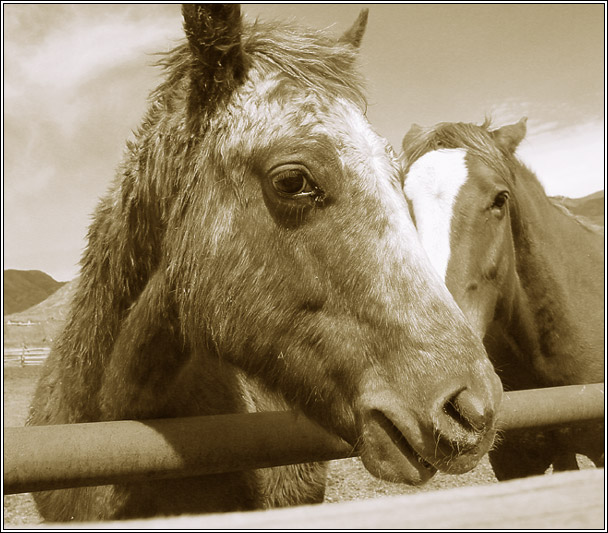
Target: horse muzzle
<point>452,435</point>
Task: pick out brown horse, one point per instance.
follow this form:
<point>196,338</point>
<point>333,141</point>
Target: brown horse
<point>527,273</point>
<point>255,253</point>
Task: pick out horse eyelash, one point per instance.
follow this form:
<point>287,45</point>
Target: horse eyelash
<point>318,197</point>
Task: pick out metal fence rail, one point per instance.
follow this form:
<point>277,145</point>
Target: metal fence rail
<point>75,455</point>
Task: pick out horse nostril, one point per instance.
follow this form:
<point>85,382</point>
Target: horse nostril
<point>469,410</point>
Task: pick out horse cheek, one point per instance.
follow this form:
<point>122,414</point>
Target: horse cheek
<point>146,358</point>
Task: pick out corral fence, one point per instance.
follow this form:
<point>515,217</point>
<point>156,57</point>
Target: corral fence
<point>25,356</point>
<point>565,500</point>
<point>77,455</point>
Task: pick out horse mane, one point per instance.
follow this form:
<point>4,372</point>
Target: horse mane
<point>531,178</point>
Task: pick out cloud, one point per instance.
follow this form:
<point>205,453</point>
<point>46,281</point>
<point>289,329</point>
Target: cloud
<point>76,53</point>
<point>570,160</point>
<point>564,145</point>
<point>51,60</point>
<point>76,81</point>
<point>70,48</point>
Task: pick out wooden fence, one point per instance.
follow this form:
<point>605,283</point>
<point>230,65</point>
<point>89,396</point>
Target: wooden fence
<point>26,356</point>
<point>568,500</point>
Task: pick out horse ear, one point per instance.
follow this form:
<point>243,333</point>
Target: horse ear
<point>354,35</point>
<point>509,137</point>
<point>414,132</point>
<point>214,35</point>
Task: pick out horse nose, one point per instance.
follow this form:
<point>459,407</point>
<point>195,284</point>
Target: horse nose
<point>464,419</point>
<point>467,410</point>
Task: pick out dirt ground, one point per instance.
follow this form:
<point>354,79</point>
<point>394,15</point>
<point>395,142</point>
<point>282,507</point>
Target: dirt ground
<point>348,479</point>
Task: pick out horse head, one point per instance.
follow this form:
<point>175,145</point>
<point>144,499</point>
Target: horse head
<point>459,184</point>
<point>258,224</point>
<point>292,255</point>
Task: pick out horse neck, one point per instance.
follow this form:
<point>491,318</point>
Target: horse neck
<point>558,276</point>
<point>124,240</point>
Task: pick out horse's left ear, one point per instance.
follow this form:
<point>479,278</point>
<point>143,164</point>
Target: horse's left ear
<point>509,137</point>
<point>214,35</point>
<point>354,35</point>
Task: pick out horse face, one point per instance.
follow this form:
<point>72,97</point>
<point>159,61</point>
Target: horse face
<point>305,270</point>
<point>461,207</point>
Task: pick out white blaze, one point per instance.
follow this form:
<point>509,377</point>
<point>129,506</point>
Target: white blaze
<point>431,186</point>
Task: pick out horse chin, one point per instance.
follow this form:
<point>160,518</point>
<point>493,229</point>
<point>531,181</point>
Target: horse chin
<point>399,467</point>
<point>389,456</point>
<point>466,460</point>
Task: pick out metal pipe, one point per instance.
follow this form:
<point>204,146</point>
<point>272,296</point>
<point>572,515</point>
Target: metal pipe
<point>554,406</point>
<point>76,455</point>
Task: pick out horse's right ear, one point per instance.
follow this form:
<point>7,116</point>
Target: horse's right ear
<point>509,137</point>
<point>414,132</point>
<point>354,35</point>
<point>214,35</point>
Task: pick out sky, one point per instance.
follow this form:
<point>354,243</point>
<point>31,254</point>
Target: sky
<point>76,78</point>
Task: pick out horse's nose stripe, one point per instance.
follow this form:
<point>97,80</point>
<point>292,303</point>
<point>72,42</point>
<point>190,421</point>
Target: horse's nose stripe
<point>432,185</point>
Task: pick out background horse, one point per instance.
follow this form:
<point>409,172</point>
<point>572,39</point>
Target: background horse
<point>255,253</point>
<point>528,274</point>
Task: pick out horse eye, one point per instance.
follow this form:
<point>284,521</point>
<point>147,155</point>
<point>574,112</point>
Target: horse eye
<point>292,182</point>
<point>500,200</point>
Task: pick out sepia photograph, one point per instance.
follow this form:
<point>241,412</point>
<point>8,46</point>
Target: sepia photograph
<point>304,266</point>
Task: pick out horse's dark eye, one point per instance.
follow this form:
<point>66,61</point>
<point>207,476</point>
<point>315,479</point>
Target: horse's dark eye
<point>500,200</point>
<point>292,182</point>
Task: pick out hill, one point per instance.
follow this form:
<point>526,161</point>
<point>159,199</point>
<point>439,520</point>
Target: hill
<point>590,206</point>
<point>54,307</point>
<point>39,325</point>
<point>25,288</point>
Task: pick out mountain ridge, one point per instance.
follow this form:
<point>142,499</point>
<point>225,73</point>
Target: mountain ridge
<point>26,288</point>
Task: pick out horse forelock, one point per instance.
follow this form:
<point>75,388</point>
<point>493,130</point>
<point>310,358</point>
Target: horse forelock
<point>312,58</point>
<point>476,139</point>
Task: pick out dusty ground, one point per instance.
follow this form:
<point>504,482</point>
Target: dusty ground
<point>348,479</point>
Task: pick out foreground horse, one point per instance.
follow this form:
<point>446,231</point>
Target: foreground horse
<point>528,274</point>
<point>255,253</point>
